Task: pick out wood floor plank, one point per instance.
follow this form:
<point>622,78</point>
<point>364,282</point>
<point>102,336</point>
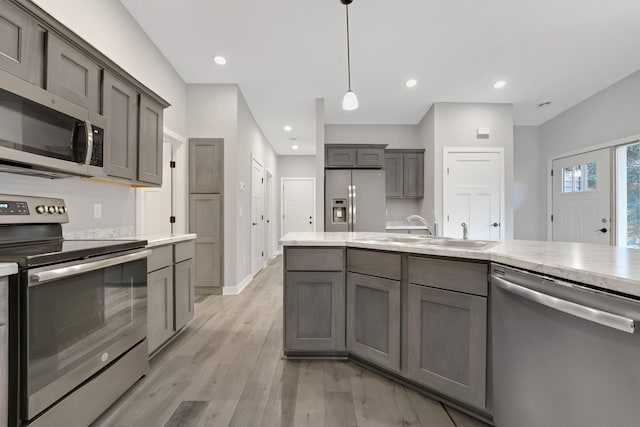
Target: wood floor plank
<point>226,368</point>
<point>310,397</point>
<point>187,414</point>
<point>463,420</point>
<point>429,412</point>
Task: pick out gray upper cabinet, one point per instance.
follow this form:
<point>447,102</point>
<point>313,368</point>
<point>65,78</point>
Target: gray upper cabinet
<point>120,107</point>
<point>354,156</point>
<point>205,219</point>
<point>405,173</point>
<point>340,156</point>
<point>447,342</point>
<point>21,45</point>
<point>393,169</point>
<point>150,141</point>
<point>205,165</point>
<point>373,319</point>
<point>370,157</point>
<point>72,75</point>
<point>413,174</point>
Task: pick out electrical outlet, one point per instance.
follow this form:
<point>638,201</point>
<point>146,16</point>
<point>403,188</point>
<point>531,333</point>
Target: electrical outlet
<point>97,210</point>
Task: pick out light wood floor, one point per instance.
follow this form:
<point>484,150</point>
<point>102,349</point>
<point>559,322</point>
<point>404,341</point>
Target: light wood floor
<point>227,369</point>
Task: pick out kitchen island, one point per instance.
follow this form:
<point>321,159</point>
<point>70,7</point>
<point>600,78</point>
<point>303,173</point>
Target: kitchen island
<point>418,310</point>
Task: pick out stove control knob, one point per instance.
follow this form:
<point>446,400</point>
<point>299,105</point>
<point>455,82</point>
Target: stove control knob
<point>52,209</point>
<point>41,209</point>
<point>62,209</point>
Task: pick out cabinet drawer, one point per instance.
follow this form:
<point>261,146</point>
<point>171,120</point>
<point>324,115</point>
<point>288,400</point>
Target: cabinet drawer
<point>184,251</point>
<point>160,257</point>
<point>316,259</point>
<point>374,263</point>
<point>468,277</point>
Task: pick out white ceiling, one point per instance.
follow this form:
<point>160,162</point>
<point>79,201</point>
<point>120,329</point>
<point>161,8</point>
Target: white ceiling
<point>285,53</point>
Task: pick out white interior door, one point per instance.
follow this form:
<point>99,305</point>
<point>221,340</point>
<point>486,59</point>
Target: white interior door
<point>257,216</point>
<point>154,204</point>
<point>269,226</point>
<point>298,205</point>
<point>473,189</point>
<point>582,198</point>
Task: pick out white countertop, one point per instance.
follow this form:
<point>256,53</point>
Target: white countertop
<point>162,239</point>
<point>8,268</point>
<point>606,267</point>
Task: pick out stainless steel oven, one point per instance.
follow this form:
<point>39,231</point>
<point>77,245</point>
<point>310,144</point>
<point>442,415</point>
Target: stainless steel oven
<point>77,316</point>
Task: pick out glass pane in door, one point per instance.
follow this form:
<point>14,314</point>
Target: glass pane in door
<point>628,195</point>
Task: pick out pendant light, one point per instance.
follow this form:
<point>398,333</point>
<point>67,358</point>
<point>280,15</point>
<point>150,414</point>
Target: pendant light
<point>350,100</point>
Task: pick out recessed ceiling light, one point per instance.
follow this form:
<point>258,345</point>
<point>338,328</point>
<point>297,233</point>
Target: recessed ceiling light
<point>287,128</point>
<point>220,60</point>
<point>295,147</point>
<point>411,83</point>
<point>499,84</point>
<point>544,104</point>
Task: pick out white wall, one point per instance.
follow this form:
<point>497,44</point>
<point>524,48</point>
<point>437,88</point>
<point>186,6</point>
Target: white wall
<point>396,136</point>
<point>611,114</point>
<point>220,111</point>
<point>426,134</point>
<point>251,143</point>
<point>109,27</point>
<point>528,185</point>
<point>455,125</point>
<point>320,136</point>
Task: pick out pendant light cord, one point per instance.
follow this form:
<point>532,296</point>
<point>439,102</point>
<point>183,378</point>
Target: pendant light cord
<point>348,49</point>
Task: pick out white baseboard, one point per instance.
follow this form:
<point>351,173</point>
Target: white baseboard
<point>276,253</point>
<point>235,290</point>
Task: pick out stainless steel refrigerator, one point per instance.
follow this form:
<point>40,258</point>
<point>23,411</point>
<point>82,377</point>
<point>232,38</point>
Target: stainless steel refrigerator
<point>354,200</point>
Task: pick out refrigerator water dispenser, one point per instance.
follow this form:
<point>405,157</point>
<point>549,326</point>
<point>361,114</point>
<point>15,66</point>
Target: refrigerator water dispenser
<point>339,211</point>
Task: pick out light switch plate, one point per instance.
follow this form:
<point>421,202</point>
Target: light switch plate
<point>97,210</point>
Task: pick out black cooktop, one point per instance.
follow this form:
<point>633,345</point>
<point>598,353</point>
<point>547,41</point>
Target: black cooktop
<point>34,254</point>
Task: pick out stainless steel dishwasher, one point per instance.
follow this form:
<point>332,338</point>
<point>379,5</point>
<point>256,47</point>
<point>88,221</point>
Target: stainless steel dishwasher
<point>563,354</point>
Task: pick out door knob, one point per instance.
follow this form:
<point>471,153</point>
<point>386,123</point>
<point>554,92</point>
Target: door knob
<point>310,222</point>
<point>254,223</point>
<point>602,230</point>
<point>495,224</point>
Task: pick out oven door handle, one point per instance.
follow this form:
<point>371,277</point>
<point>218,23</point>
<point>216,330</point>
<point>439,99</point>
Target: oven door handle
<point>601,317</point>
<point>62,272</point>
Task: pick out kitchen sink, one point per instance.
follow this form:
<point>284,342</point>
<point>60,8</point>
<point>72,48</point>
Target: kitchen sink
<point>433,241</point>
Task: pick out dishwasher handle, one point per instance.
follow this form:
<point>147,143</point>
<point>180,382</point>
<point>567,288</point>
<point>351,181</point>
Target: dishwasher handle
<point>604,318</point>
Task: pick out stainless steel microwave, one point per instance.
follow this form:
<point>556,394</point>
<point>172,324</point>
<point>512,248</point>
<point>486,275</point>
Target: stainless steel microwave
<point>44,134</point>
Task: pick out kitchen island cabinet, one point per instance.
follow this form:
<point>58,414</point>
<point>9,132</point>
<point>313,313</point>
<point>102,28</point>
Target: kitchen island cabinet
<point>314,299</point>
<point>445,334</point>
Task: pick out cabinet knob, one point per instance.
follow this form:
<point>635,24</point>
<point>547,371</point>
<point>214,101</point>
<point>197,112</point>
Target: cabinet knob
<point>495,224</point>
<point>254,223</point>
<point>602,230</point>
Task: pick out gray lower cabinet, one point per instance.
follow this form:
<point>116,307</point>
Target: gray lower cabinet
<point>314,300</point>
<point>170,291</point>
<point>447,342</point>
<point>159,307</point>
<point>184,293</point>
<point>315,311</point>
<point>404,173</point>
<point>72,75</point>
<point>150,141</point>
<point>205,219</point>
<point>373,319</point>
<point>21,45</point>
<point>120,107</point>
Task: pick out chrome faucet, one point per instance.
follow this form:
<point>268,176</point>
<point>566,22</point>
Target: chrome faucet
<point>465,230</point>
<point>424,222</point>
